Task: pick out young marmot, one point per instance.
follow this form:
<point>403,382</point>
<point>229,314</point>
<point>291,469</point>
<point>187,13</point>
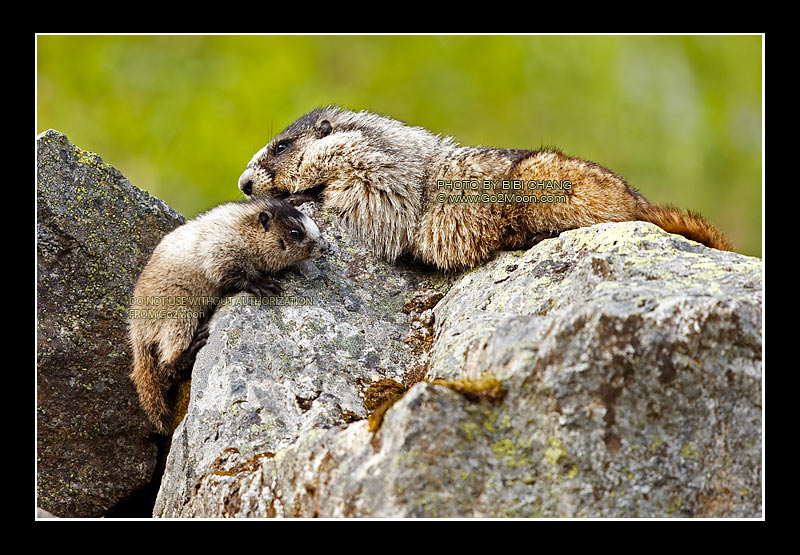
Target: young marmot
<point>228,249</point>
<point>403,190</point>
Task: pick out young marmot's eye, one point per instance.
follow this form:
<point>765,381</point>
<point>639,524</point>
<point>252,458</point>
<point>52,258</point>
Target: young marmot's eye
<point>296,234</point>
<point>280,147</point>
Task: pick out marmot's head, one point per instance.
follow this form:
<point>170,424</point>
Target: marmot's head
<point>277,234</point>
<point>294,160</point>
<point>367,168</point>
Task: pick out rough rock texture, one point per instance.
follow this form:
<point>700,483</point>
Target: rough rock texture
<point>630,361</point>
<point>270,375</point>
<point>94,233</point>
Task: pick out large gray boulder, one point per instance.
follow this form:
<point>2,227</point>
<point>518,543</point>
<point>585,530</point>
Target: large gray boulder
<point>614,371</point>
<point>95,232</point>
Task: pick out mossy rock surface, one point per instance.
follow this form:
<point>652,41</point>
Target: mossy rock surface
<point>95,231</point>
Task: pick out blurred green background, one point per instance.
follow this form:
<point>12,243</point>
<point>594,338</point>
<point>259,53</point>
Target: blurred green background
<point>680,117</point>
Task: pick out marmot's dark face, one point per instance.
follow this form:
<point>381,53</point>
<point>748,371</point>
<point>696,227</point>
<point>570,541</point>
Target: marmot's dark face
<point>287,165</point>
<point>291,236</point>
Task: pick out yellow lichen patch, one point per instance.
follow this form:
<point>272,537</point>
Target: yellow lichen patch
<point>503,448</point>
<point>182,395</point>
<point>657,442</point>
<point>509,453</point>
<point>485,387</point>
<point>689,452</point>
<point>573,471</point>
<point>375,419</point>
<point>379,397</point>
<point>470,429</point>
<point>555,451</point>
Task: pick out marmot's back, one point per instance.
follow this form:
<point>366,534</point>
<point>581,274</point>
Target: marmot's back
<point>384,179</point>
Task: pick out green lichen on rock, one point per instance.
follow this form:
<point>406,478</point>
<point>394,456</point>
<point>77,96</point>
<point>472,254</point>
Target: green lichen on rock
<point>555,451</point>
<point>689,452</point>
<point>94,233</point>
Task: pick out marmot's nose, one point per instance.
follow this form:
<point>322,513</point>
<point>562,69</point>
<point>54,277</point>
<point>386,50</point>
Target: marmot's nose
<point>325,247</point>
<point>246,182</point>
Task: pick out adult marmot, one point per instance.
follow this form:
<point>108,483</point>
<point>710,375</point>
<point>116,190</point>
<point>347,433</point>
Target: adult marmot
<point>403,190</point>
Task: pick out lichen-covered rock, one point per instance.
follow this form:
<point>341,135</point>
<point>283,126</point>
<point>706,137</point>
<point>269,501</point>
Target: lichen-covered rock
<point>95,232</point>
<point>629,359</point>
<point>632,362</point>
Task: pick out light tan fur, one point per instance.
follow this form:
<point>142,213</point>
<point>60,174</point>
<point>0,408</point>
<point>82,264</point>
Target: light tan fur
<point>228,249</point>
<point>382,177</point>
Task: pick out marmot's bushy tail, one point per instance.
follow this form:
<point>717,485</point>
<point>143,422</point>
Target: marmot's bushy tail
<point>151,388</point>
<point>690,224</point>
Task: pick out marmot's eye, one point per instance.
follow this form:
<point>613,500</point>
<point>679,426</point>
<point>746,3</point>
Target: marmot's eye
<point>296,234</point>
<point>280,147</point>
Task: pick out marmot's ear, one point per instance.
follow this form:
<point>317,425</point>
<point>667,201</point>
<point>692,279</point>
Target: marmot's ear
<point>265,218</point>
<point>323,128</point>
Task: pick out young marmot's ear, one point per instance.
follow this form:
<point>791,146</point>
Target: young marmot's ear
<point>265,219</point>
<point>323,128</point>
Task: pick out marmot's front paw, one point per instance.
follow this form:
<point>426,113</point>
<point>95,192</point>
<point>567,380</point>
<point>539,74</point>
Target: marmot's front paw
<point>299,199</point>
<point>265,288</point>
<point>199,340</point>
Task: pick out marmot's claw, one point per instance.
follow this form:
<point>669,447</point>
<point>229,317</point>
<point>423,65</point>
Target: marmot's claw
<point>266,288</point>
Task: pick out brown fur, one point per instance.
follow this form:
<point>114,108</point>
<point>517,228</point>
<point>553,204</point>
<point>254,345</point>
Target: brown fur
<point>691,225</point>
<point>230,248</point>
<point>381,177</point>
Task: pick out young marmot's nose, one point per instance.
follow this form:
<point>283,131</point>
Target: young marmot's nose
<point>246,182</point>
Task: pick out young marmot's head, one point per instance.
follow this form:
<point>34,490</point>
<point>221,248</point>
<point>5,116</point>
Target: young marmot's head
<point>292,162</point>
<point>291,235</point>
<point>276,234</point>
